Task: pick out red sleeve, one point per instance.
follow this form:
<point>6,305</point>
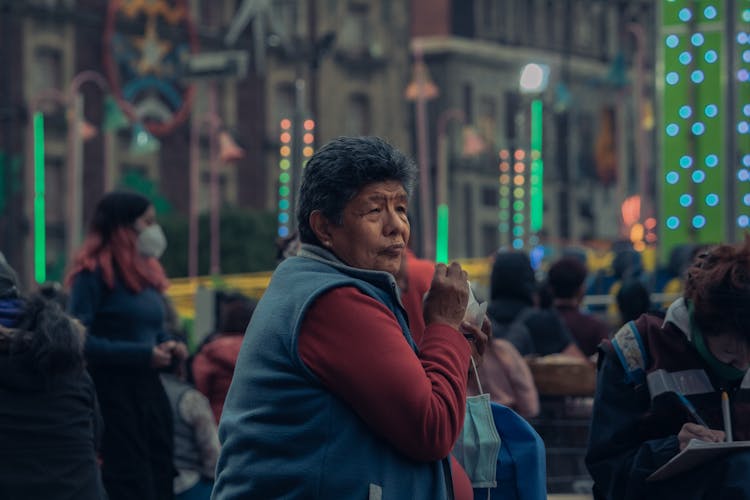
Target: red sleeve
<point>355,345</point>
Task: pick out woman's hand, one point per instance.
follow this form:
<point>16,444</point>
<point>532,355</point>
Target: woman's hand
<point>161,356</point>
<point>694,431</point>
<point>447,297</point>
<point>478,338</point>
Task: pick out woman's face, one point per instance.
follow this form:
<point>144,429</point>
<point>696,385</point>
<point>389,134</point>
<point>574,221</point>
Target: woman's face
<point>730,348</point>
<point>375,228</point>
<point>145,220</point>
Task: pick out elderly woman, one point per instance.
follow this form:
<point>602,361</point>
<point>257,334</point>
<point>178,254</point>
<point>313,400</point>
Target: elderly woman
<point>655,368</point>
<point>331,397</point>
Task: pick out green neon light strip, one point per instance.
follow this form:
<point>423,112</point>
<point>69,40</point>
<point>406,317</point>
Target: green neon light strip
<point>441,248</point>
<point>40,254</point>
<point>536,194</point>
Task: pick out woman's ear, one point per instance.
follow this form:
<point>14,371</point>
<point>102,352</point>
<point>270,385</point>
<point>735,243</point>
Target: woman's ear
<point>320,225</point>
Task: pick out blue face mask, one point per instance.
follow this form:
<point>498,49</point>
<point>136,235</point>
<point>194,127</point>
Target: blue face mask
<point>478,444</point>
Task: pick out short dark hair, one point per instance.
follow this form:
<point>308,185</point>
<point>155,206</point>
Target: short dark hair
<point>633,299</point>
<point>117,209</point>
<point>512,277</point>
<point>718,288</point>
<point>340,169</point>
<point>566,276</point>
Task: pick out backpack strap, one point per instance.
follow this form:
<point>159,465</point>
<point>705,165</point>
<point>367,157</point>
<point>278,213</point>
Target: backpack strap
<point>629,347</point>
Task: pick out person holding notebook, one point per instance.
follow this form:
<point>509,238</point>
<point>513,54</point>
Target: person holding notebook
<point>660,385</point>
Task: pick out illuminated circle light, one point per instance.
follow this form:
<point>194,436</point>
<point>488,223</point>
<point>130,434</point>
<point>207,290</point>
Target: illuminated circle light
<point>518,231</point>
<point>518,218</point>
<point>504,166</point>
<point>743,75</point>
<point>697,39</point>
<point>518,180</point>
<point>283,231</point>
<point>743,221</point>
<point>650,223</point>
<point>746,110</point>
<point>712,161</point>
<point>673,129</point>
<point>308,138</point>
<point>504,216</point>
<point>518,244</point>
<point>285,164</point>
<point>284,177</point>
<point>286,123</point>
<point>711,56</point>
<point>746,160</point>
<point>697,76</point>
<point>518,167</point>
<point>699,221</point>
<point>685,111</point>
<point>285,137</point>
<point>710,12</point>
<point>711,110</point>
<point>672,78</point>
<point>519,154</point>
<point>698,128</point>
<point>284,191</point>
<point>686,161</point>
<point>518,193</point>
<point>285,151</point>
<point>686,200</point>
<point>712,199</point>
<point>673,222</point>
<point>283,217</point>
<point>743,127</point>
<point>743,175</point>
<point>284,204</point>
<point>685,58</point>
<point>672,41</point>
<point>672,177</point>
<point>699,176</point>
<point>503,227</point>
<point>518,205</point>
<point>742,38</point>
<point>504,190</point>
<point>504,155</point>
<point>746,200</point>
<point>307,151</point>
<point>504,203</point>
<point>685,15</point>
<point>309,125</point>
<point>504,179</point>
<point>746,15</point>
<point>746,56</point>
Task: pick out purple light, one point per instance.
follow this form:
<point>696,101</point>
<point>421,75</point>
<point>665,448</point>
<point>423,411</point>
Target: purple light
<point>742,75</point>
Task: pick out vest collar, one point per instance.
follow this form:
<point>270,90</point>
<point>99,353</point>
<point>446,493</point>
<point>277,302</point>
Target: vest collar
<point>380,278</point>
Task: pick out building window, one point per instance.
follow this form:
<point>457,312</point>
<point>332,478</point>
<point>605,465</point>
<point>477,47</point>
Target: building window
<point>358,117</point>
<point>490,239</point>
<point>490,197</point>
<point>47,69</point>
<point>468,104</point>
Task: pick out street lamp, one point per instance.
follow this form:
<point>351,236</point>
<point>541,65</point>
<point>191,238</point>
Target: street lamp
<point>220,139</point>
<point>420,90</point>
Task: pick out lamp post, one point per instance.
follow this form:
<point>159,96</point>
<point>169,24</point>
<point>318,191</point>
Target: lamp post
<point>420,90</point>
<point>641,134</point>
<point>443,212</point>
<point>221,147</point>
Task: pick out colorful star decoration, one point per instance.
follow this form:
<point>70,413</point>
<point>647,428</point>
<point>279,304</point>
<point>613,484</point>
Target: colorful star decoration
<point>152,48</point>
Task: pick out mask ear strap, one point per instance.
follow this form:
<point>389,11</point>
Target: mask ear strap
<point>476,374</point>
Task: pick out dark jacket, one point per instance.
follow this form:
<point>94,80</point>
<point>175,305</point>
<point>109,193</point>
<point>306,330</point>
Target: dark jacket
<point>49,430</point>
<point>635,422</point>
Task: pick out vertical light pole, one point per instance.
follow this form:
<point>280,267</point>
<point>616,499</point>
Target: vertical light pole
<point>443,211</point>
<point>641,150</point>
<point>420,90</point>
<point>75,156</point>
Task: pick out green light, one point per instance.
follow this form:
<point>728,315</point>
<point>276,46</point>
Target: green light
<point>284,177</point>
<point>518,205</point>
<point>536,195</point>
<point>284,191</point>
<point>441,249</point>
<point>284,164</point>
<point>40,255</point>
<point>518,218</point>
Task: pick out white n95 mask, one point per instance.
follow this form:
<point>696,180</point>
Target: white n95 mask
<point>151,241</point>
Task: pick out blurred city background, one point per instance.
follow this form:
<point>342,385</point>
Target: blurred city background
<point>598,128</point>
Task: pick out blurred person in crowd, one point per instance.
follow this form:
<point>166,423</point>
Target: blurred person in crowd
<point>514,312</point>
<point>701,348</point>
<point>49,420</point>
<point>328,354</point>
<point>633,299</point>
<point>213,364</point>
<point>116,291</point>
<point>566,279</point>
<point>196,441</point>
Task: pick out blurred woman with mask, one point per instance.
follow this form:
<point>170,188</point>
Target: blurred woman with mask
<point>116,285</point>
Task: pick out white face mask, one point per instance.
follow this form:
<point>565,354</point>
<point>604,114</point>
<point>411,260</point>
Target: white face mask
<point>151,241</point>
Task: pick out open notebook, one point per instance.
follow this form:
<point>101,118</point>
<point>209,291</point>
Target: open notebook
<point>694,454</point>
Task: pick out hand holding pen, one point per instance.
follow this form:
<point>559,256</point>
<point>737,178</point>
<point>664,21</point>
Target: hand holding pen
<point>698,430</point>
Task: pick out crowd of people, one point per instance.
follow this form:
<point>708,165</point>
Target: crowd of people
<point>363,371</point>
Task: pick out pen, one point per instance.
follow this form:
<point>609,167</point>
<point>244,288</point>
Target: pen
<point>726,415</point>
<point>691,410</point>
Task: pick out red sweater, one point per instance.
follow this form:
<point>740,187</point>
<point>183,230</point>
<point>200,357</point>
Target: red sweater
<point>417,404</point>
<point>213,368</point>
